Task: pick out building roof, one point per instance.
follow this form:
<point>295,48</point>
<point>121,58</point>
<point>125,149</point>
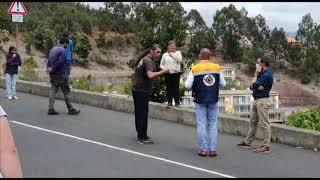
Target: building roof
<point>292,40</point>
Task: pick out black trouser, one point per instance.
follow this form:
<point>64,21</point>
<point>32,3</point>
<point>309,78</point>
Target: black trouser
<point>141,110</point>
<point>172,84</point>
<point>59,81</point>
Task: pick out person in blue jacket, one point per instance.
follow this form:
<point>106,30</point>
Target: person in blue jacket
<point>69,52</point>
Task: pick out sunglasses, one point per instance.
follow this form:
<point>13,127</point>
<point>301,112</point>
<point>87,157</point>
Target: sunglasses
<point>158,52</point>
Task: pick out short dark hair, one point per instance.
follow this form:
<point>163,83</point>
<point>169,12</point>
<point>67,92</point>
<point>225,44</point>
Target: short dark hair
<point>65,35</point>
<point>11,48</point>
<point>265,61</point>
<point>64,40</point>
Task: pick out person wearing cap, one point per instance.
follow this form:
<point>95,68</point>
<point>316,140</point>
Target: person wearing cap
<point>205,79</point>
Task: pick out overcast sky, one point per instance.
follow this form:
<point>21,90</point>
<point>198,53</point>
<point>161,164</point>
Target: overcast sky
<point>280,14</point>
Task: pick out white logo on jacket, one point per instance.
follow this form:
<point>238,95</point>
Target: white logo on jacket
<point>209,80</point>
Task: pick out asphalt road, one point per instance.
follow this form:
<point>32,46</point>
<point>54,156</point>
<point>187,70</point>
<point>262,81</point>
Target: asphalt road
<point>101,143</point>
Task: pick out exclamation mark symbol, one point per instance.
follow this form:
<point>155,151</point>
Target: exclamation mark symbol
<point>17,6</point>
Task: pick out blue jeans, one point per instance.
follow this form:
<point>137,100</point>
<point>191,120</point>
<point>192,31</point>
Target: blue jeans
<point>68,68</point>
<point>11,84</point>
<point>207,113</point>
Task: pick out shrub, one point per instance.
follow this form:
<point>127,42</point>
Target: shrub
<point>30,62</point>
<point>317,82</point>
<point>305,79</point>
<point>109,43</point>
<point>308,120</point>
<point>127,89</point>
<point>120,42</point>
<point>82,83</point>
<point>102,61</point>
<point>29,74</point>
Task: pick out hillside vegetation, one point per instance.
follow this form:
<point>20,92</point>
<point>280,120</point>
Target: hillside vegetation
<point>100,35</point>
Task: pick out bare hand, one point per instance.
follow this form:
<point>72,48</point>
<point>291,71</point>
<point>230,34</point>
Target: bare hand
<point>168,67</point>
<point>14,55</point>
<point>166,70</point>
<point>261,88</point>
<point>49,70</point>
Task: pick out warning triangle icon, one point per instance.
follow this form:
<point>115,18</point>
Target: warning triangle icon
<point>17,8</point>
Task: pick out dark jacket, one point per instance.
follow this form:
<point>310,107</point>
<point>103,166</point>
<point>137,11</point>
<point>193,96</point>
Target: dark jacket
<point>12,63</point>
<point>265,80</point>
<point>57,60</point>
<point>205,88</point>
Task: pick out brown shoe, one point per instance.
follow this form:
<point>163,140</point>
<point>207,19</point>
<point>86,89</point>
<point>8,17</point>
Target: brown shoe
<point>202,153</point>
<point>263,149</point>
<point>244,144</point>
<point>213,154</point>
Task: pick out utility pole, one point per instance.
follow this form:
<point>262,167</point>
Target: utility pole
<point>17,32</point>
<point>17,37</point>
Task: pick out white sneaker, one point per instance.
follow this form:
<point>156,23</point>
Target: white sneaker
<point>15,97</point>
<point>10,97</point>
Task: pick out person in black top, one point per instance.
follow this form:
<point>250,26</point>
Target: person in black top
<point>141,89</point>
<point>13,60</point>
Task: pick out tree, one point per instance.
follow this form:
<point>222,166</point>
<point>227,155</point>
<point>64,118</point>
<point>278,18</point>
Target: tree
<point>294,56</point>
<point>4,36</point>
<point>120,16</point>
<point>277,43</point>
<point>201,36</point>
<point>82,47</point>
<point>5,18</point>
<point>159,23</point>
<point>229,25</point>
<point>101,40</point>
<point>258,34</point>
<point>306,30</point>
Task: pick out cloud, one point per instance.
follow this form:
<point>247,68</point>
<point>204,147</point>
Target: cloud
<point>279,14</point>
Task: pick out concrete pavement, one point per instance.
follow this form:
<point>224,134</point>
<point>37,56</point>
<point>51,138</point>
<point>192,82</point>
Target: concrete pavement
<point>101,143</point>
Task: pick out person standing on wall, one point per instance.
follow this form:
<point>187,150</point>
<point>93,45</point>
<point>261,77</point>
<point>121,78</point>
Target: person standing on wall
<point>173,59</point>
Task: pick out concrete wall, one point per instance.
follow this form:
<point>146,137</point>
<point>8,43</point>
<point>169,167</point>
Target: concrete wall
<point>227,124</point>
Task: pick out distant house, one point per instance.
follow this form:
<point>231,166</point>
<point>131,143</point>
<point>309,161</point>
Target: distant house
<point>293,41</point>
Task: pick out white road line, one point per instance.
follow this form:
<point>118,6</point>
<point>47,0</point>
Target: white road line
<point>127,150</point>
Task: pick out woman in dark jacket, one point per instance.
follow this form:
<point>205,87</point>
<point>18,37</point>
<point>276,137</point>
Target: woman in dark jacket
<point>13,60</point>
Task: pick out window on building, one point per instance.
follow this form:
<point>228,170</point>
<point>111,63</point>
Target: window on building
<point>222,109</point>
<point>221,100</point>
<point>242,100</point>
<point>271,116</point>
<point>243,109</point>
